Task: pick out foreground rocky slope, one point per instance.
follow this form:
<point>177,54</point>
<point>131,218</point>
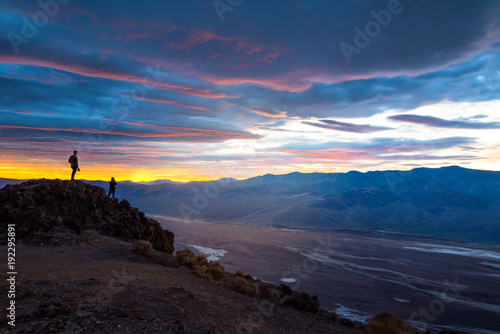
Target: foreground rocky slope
<point>100,285</point>
<point>42,208</point>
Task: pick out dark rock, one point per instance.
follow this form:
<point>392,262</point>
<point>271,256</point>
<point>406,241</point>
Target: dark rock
<point>83,314</point>
<point>40,206</point>
<point>285,289</point>
<point>59,324</point>
<point>177,328</point>
<point>117,313</point>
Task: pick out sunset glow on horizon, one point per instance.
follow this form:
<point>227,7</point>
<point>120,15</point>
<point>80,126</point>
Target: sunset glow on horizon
<point>183,91</point>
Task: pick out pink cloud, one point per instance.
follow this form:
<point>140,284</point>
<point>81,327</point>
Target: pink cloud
<point>296,81</point>
<point>98,73</point>
<point>165,132</point>
<point>270,114</point>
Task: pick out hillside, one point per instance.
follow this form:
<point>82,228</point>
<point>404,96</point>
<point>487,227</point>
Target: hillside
<point>100,285</point>
<point>450,202</point>
<point>78,272</point>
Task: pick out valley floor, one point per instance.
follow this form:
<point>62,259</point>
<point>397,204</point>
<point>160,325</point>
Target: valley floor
<point>437,283</point>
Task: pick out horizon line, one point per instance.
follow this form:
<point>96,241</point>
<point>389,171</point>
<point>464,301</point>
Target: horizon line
<point>247,178</point>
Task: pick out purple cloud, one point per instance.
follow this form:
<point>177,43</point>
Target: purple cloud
<point>442,123</point>
<point>346,127</point>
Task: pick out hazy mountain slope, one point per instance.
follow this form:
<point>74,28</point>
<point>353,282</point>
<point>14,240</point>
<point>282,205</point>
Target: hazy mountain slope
<point>450,202</point>
<point>4,182</point>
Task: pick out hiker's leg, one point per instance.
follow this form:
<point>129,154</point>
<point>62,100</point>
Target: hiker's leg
<point>73,174</point>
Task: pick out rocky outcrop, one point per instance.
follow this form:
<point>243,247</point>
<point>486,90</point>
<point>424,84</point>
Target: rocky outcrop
<point>39,206</point>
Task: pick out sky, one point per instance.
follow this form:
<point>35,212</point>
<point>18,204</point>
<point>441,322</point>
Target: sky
<point>202,89</point>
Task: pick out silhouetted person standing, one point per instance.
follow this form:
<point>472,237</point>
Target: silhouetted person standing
<point>112,185</point>
<point>73,160</point>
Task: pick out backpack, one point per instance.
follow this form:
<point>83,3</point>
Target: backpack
<point>70,160</point>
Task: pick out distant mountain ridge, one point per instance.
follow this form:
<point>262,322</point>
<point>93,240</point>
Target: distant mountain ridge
<point>448,202</point>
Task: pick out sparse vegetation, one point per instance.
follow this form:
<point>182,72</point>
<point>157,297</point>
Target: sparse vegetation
<point>203,272</point>
<point>269,292</point>
<point>201,265</point>
<point>382,323</point>
<point>143,247</point>
<point>241,285</point>
<point>302,301</point>
<point>328,314</point>
<point>388,323</point>
<point>187,257</point>
<point>283,295</point>
<point>241,274</point>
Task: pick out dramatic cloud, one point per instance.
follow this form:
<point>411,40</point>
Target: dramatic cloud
<point>347,127</point>
<point>442,123</point>
<point>177,88</point>
<point>268,113</point>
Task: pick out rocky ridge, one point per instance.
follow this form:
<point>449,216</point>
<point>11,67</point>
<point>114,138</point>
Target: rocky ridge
<point>42,209</point>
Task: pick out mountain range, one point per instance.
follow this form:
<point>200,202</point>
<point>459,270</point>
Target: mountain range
<point>448,202</point>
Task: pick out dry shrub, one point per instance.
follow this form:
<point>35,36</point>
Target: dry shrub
<point>269,293</point>
<point>202,260</point>
<point>302,301</point>
<point>274,295</point>
<point>255,291</point>
<point>241,285</point>
<point>187,257</point>
<point>217,270</point>
<point>241,274</point>
<point>388,323</point>
<point>200,264</point>
<point>328,314</point>
<point>143,247</point>
<point>203,272</point>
